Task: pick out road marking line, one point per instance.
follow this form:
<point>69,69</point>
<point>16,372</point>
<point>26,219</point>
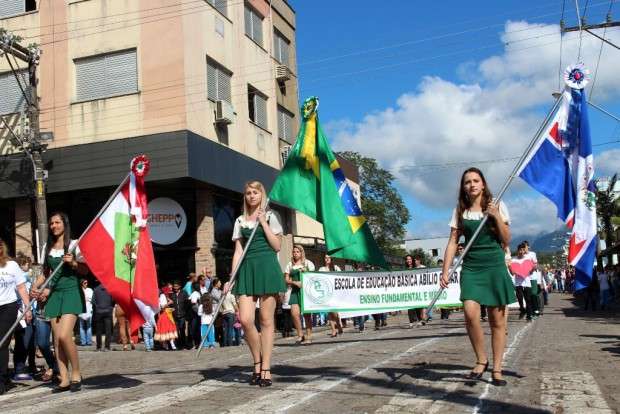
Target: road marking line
<point>177,395</point>
<point>511,348</point>
<point>572,392</point>
<point>272,401</point>
<point>85,394</point>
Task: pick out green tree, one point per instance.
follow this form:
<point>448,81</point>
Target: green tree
<point>608,211</point>
<point>382,205</point>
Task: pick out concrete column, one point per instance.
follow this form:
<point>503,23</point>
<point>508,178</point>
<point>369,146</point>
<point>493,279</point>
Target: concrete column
<point>24,238</point>
<point>205,236</point>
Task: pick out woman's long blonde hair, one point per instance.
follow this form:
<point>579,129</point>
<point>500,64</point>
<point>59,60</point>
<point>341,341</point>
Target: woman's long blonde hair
<point>303,253</point>
<point>4,253</point>
<point>256,185</point>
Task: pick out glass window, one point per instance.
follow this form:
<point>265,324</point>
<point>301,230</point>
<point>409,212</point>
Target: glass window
<point>218,82</point>
<point>106,75</point>
<point>257,107</point>
<point>253,25</point>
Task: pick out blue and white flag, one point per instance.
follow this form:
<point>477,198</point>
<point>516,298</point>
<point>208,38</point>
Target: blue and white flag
<point>560,166</point>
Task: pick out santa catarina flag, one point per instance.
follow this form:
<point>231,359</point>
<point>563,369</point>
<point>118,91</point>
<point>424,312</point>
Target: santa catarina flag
<point>313,183</point>
<point>118,250</point>
<point>561,167</point>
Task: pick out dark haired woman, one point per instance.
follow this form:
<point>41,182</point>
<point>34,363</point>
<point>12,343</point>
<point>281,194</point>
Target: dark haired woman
<point>65,298</point>
<point>484,277</point>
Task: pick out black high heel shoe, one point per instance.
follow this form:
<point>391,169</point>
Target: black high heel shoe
<point>498,382</point>
<point>76,386</point>
<point>255,378</point>
<point>473,375</point>
<point>59,388</point>
<point>265,382</point>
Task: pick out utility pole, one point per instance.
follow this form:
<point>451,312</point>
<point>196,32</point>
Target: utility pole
<point>589,27</point>
<point>30,141</point>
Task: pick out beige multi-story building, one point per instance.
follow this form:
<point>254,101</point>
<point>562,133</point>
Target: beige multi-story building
<point>206,88</point>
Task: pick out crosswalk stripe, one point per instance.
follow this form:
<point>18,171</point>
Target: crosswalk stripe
<point>280,401</point>
<point>152,403</point>
<point>87,394</point>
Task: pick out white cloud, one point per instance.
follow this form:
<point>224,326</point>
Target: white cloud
<point>532,216</point>
<point>443,123</point>
<point>607,163</point>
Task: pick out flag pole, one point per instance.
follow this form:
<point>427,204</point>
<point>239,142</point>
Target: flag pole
<point>231,282</point>
<point>499,196</point>
<point>71,251</point>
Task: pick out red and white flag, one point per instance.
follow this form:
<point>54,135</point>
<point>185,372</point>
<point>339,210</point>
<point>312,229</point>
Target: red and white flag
<point>118,249</point>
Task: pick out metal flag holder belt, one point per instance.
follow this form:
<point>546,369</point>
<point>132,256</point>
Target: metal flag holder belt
<point>231,283</point>
<point>48,280</point>
<point>497,199</point>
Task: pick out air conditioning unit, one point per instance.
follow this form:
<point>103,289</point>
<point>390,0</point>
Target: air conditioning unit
<point>283,73</point>
<point>224,112</point>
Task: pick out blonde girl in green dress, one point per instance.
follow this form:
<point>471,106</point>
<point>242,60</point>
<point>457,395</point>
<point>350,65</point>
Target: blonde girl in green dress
<point>64,298</point>
<point>292,276</point>
<point>484,277</point>
<point>259,278</point>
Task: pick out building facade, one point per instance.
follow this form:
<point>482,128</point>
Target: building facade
<point>207,89</point>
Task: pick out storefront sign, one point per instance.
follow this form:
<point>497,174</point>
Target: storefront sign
<point>374,292</point>
<point>167,220</point>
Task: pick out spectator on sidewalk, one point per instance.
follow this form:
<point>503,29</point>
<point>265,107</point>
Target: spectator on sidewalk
<point>123,328</point>
<point>103,307</point>
<point>180,304</point>
<point>85,319</point>
<point>228,310</point>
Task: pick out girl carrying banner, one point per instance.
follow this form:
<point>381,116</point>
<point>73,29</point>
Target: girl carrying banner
<point>484,277</point>
<point>259,277</point>
<point>292,275</point>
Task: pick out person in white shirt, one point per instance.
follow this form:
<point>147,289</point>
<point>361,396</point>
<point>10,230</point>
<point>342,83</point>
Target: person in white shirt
<point>534,282</point>
<point>86,333</point>
<point>334,318</point>
<point>522,267</point>
<point>292,275</point>
<point>12,283</point>
<point>603,280</point>
<point>206,314</point>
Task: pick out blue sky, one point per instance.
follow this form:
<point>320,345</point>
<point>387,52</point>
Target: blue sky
<point>421,86</point>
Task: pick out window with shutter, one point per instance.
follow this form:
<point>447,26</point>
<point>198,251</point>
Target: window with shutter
<point>253,25</point>
<point>257,107</point>
<point>12,99</point>
<point>12,7</point>
<point>106,75</point>
<point>220,5</point>
<point>285,124</point>
<point>218,82</point>
<point>281,48</point>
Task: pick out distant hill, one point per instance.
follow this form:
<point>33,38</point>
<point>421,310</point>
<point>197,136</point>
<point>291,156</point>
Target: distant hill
<point>543,243</point>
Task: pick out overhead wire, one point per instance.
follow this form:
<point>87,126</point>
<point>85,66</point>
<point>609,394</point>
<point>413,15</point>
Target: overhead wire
<point>561,69</point>
<point>600,52</point>
<point>202,92</point>
<point>184,112</point>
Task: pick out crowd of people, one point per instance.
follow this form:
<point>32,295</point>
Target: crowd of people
<point>264,299</point>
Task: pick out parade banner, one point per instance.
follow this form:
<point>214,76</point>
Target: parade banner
<point>375,292</point>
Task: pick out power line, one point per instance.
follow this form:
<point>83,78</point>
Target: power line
<point>600,51</point>
<point>203,92</point>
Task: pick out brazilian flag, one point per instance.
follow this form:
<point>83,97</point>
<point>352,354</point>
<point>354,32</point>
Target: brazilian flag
<point>313,183</point>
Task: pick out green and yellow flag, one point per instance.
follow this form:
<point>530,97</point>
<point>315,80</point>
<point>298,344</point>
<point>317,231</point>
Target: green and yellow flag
<point>313,183</point>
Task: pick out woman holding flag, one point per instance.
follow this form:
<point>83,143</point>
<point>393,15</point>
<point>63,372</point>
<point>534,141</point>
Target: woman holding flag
<point>259,276</point>
<point>65,299</point>
<point>292,275</point>
<point>484,276</point>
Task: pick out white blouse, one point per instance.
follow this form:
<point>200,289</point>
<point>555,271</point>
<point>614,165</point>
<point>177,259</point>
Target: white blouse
<point>308,265</point>
<point>272,219</point>
<point>477,215</point>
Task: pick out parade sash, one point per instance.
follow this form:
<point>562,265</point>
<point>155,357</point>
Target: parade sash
<point>376,292</point>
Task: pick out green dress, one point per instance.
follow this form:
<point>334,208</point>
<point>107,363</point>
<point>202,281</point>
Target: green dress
<point>295,275</point>
<point>260,272</point>
<point>66,296</point>
<point>484,275</point>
